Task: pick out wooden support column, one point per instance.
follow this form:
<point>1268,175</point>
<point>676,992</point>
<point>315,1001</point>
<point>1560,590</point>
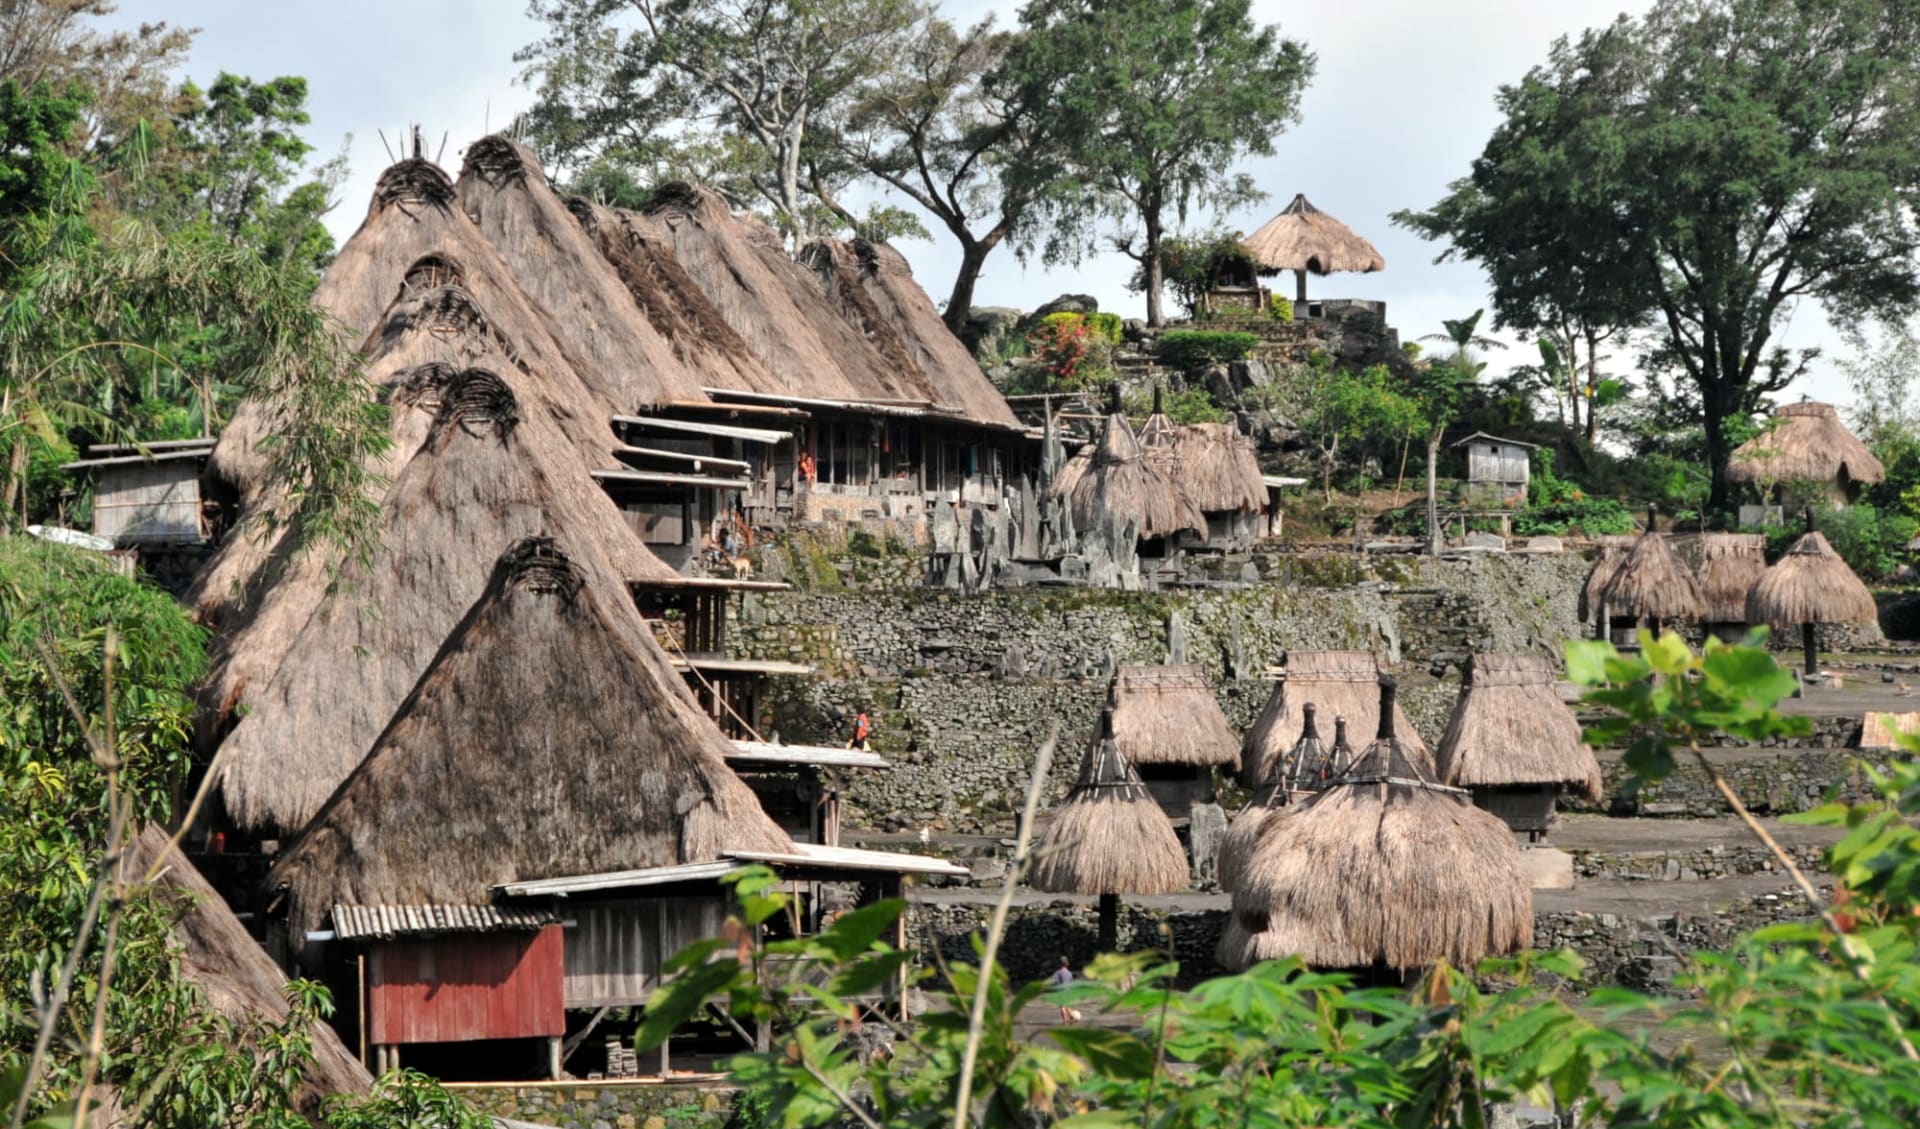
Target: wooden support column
<point>896,888</point>
<point>553,1058</point>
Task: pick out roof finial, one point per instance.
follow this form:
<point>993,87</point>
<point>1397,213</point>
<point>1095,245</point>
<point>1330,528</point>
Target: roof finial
<point>1810,527</point>
<point>1157,388</point>
<point>1652,510</point>
<point>1113,398</point>
<point>1387,688</point>
<point>1307,728</point>
<point>1106,724</point>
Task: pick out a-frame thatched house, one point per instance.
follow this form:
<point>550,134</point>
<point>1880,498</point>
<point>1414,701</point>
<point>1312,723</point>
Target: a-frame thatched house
<point>1115,483</point>
<point>1385,872</point>
<point>1514,744</point>
<point>1343,684</point>
<point>1806,446</point>
<point>1215,467</point>
<point>547,739</point>
<point>1169,727</point>
<point>1609,551</point>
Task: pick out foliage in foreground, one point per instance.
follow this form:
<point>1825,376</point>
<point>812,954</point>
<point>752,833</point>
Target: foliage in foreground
<point>1796,1025</point>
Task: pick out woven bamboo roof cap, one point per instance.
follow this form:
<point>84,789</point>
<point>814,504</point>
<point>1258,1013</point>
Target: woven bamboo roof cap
<point>1304,238</point>
<point>1807,443</point>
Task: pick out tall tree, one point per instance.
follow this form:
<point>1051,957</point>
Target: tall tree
<point>1439,387</point>
<point>1158,99</point>
<point>1707,166</point>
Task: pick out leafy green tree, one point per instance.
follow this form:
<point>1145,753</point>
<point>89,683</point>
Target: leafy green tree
<point>1708,166</point>
<point>1157,101</point>
<point>1346,407</point>
<point>1439,387</point>
<point>1190,265</point>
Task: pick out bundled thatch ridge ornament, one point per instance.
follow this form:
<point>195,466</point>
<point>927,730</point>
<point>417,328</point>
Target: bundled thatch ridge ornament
<point>1386,870</point>
<point>1307,769</point>
<point>1344,684</point>
<point>1109,838</point>
<point>1652,584</point>
<point>1808,586</point>
<point>1304,239</point>
<point>1513,743</point>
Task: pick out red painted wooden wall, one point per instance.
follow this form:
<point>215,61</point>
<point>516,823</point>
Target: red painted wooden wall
<point>458,987</point>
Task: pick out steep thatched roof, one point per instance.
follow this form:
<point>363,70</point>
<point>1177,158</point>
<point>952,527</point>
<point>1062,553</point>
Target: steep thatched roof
<point>232,971</point>
<point>1118,478</point>
<point>1810,583</point>
<point>1168,715</point>
<point>1652,582</point>
<point>1730,565</point>
<point>548,738</point>
<point>1308,767</point>
<point>1109,836</point>
<point>1304,238</point>
<point>1611,550</point>
<point>1216,467</point>
<point>1807,443</point>
<point>1385,866</point>
<point>873,287</point>
<point>1343,684</point>
<point>1510,729</point>
<point>613,346</point>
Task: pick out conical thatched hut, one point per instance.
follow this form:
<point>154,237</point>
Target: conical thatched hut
<point>1343,684</point>
<point>232,972</point>
<point>1611,549</point>
<point>1807,444</point>
<point>1119,479</point>
<point>1109,838</point>
<point>1652,584</point>
<point>1170,728</point>
<point>1808,586</point>
<point>1304,239</point>
<point>1386,871</point>
<point>1309,767</point>
<point>1730,565</point>
<point>1513,743</point>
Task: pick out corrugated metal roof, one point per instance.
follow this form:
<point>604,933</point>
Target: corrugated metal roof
<point>853,858</point>
<point>386,922</point>
<point>696,427</point>
<point>819,756</point>
<point>617,880</point>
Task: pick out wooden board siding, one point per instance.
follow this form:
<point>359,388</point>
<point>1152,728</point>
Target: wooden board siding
<point>148,503</point>
<point>615,949</point>
<point>461,987</point>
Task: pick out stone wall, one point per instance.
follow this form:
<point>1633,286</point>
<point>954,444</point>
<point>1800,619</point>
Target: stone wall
<point>604,1105</point>
<point>1768,781</point>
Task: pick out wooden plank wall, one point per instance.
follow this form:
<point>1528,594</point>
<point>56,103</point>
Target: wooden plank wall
<point>148,502</point>
<point>468,986</point>
<point>614,949</point>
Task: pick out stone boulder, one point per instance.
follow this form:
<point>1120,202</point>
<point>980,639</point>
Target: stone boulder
<point>987,330</point>
<point>1064,304</point>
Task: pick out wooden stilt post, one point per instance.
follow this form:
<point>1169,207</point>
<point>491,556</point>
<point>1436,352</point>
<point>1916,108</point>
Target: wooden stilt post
<point>1812,651</point>
<point>553,1058</point>
<point>1109,923</point>
<point>360,1003</point>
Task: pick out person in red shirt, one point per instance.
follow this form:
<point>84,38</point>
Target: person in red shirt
<point>862,729</point>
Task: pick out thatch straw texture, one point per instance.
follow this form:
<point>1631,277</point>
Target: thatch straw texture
<point>1216,467</point>
<point>1168,715</point>
<point>548,738</point>
<point>1652,582</point>
<point>234,974</point>
<point>1385,866</point>
<point>1343,684</point>
<point>1304,238</point>
<point>1730,565</point>
<point>1809,443</point>
<point>1611,550</point>
<point>614,348</point>
<point>1307,767</point>
<point>1109,836</point>
<point>1119,479</point>
<point>1510,729</point>
<point>1810,584</point>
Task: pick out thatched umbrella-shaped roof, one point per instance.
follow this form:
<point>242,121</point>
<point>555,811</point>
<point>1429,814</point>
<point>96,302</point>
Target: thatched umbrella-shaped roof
<point>1730,565</point>
<point>1652,582</point>
<point>1611,549</point>
<point>1309,767</point>
<point>548,738</point>
<point>1108,837</point>
<point>1342,683</point>
<point>232,972</point>
<point>1385,867</point>
<point>1510,729</point>
<point>1808,443</point>
<point>1304,239</point>
<point>1118,478</point>
<point>1810,585</point>
<point>1168,715</point>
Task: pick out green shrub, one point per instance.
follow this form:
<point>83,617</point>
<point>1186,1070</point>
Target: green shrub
<point>1106,326</point>
<point>1279,307</point>
<point>1557,506</point>
<point>1194,405</point>
<point>1871,541</point>
<point>1192,349</point>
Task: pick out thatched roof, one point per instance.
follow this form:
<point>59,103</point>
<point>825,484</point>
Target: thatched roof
<point>1652,582</point>
<point>1304,238</point>
<point>1807,443</point>
<point>1610,551</point>
<point>234,974</point>
<point>873,287</point>
<point>1307,768</point>
<point>1118,478</point>
<point>548,738</point>
<point>1810,583</point>
<point>1385,866</point>
<point>1730,565</point>
<point>1168,715</point>
<point>1510,729</point>
<point>1343,684</point>
<point>1109,836</point>
<point>1215,466</point>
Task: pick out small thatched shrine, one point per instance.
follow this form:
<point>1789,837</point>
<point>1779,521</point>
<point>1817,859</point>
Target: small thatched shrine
<point>1109,838</point>
<point>1385,872</point>
<point>1609,551</point>
<point>1652,585</point>
<point>1310,766</point>
<point>1808,586</point>
<point>1806,445</point>
<point>1306,240</point>
<point>1343,684</point>
<point>1514,744</point>
<point>1730,565</point>
<point>1170,728</point>
<point>1117,481</point>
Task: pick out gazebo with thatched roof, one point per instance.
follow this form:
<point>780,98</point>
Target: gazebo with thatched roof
<point>1514,744</point>
<point>1385,872</point>
<point>1308,768</point>
<point>1808,586</point>
<point>1610,550</point>
<point>1304,239</point>
<point>1730,565</point>
<point>1109,838</point>
<point>1652,585</point>
<point>1342,684</point>
<point>1170,728</point>
<point>1806,444</point>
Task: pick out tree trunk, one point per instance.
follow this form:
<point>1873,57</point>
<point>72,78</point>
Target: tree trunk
<point>1406,443</point>
<point>15,500</point>
<point>973,256</point>
<point>1715,406</point>
<point>1155,316</point>
<point>1433,493</point>
<point>1109,923</point>
<point>1593,381</point>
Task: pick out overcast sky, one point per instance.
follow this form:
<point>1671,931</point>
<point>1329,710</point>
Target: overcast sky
<point>1401,103</point>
